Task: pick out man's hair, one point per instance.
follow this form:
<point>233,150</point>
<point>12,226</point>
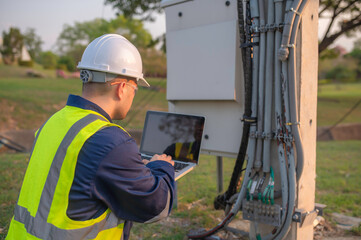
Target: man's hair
<point>103,88</point>
<point>97,88</point>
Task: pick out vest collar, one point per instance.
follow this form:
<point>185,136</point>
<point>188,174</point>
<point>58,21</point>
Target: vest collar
<point>80,102</point>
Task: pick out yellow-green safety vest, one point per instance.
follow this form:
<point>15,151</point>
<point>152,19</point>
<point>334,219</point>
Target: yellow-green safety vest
<point>183,150</point>
<point>40,212</point>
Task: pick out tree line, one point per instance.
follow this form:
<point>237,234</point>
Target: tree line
<point>73,40</point>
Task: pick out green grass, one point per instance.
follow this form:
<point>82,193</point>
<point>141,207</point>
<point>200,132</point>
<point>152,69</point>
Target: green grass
<point>30,101</point>
<point>12,170</point>
<point>337,185</point>
<point>338,176</point>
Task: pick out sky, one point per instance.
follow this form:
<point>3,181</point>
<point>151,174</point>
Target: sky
<point>48,17</point>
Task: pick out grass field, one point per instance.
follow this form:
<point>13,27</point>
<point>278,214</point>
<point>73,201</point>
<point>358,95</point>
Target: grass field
<point>26,102</point>
<point>337,186</point>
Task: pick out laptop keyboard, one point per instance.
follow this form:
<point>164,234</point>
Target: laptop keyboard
<point>146,157</point>
<point>179,166</point>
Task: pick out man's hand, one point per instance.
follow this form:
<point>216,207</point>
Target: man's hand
<point>162,157</point>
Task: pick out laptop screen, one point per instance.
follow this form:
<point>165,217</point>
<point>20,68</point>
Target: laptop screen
<point>177,135</point>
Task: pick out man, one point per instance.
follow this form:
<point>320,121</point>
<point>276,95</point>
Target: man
<point>86,179</point>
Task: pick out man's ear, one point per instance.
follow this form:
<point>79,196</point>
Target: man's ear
<point>119,91</point>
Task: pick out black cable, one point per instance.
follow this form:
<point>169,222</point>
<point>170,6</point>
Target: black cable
<point>245,38</point>
<point>140,105</point>
<point>341,119</point>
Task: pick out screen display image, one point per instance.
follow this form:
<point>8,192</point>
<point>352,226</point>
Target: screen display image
<point>176,135</point>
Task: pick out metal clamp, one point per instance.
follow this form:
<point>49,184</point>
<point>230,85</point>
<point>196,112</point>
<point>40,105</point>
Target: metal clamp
<point>285,138</point>
<point>279,27</point>
<point>270,27</point>
<point>288,46</point>
<point>305,218</point>
<point>267,135</point>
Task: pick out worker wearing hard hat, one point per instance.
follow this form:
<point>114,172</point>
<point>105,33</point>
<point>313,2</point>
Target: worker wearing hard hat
<point>86,179</point>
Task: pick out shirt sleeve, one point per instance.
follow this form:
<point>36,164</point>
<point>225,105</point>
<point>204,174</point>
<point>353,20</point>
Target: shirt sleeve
<point>132,190</point>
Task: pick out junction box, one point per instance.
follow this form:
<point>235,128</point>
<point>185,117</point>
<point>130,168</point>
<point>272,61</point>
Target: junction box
<point>204,68</point>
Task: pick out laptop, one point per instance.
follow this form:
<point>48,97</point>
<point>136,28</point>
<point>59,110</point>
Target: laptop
<point>174,134</point>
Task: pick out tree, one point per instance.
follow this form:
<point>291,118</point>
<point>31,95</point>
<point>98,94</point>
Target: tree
<point>73,39</point>
<point>32,43</point>
<point>342,74</point>
<point>12,43</point>
<point>48,59</point>
<point>131,9</point>
<point>356,55</point>
<point>345,14</point>
<point>66,63</point>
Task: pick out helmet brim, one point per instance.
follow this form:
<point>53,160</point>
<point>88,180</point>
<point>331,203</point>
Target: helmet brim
<point>143,83</point>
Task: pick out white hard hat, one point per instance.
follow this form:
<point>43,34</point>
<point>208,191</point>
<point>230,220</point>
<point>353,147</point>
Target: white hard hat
<point>113,54</point>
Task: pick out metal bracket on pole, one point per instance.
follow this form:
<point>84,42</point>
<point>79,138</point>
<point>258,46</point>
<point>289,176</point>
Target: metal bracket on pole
<point>305,218</point>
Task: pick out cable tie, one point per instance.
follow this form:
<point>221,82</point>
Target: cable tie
<point>293,10</point>
<point>249,119</point>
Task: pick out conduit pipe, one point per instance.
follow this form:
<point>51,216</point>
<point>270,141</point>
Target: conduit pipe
<point>279,120</point>
<point>295,120</point>
<point>268,89</point>
<point>262,56</point>
<point>255,68</point>
<point>290,16</point>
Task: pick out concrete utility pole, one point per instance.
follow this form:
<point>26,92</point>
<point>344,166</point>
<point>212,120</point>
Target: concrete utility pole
<point>307,80</point>
<point>307,68</point>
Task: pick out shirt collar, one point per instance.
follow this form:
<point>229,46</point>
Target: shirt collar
<point>80,102</point>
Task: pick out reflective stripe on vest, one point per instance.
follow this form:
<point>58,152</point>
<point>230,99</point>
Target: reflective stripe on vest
<point>39,226</point>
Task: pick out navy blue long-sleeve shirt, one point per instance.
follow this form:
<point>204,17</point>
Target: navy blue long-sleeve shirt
<point>110,174</point>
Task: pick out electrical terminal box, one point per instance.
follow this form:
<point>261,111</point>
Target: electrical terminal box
<point>260,212</point>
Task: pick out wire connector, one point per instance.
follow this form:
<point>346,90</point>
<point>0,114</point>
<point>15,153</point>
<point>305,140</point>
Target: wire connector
<point>290,124</point>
